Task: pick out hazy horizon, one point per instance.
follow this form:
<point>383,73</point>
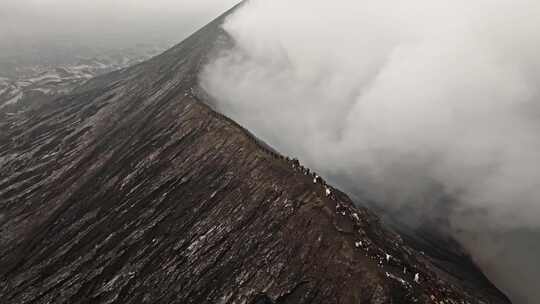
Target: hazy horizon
<point>109,24</point>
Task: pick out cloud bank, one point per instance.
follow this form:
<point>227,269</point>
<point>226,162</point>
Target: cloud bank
<point>427,106</point>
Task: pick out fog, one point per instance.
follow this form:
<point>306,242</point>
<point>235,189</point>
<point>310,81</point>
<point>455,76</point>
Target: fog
<point>429,108</point>
<point>106,23</point>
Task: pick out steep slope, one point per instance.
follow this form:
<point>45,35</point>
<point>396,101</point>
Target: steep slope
<point>133,190</point>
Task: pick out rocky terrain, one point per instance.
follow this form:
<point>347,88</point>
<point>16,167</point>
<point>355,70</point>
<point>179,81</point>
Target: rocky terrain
<point>37,83</point>
<point>132,189</point>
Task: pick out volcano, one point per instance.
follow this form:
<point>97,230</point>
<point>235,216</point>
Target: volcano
<point>133,189</point>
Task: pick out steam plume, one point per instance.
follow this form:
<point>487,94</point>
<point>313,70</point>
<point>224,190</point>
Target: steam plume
<point>402,103</point>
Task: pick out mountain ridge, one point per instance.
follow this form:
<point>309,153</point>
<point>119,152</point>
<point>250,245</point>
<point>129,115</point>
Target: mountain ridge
<point>134,190</point>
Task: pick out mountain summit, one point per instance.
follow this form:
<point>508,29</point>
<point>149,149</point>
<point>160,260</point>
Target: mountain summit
<point>132,189</point>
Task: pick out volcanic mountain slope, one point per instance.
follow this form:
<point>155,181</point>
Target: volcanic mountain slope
<point>133,190</point>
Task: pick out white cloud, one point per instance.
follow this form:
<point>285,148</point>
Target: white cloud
<point>399,101</point>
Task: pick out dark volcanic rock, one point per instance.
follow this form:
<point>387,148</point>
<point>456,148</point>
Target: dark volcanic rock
<point>133,190</point>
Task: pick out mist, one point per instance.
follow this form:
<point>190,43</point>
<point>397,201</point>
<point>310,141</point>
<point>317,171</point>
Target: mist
<point>428,109</point>
<point>103,23</point>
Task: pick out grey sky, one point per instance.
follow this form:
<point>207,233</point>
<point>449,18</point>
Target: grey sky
<point>119,22</point>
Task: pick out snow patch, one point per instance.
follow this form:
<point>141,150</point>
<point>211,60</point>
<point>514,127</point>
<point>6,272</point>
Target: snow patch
<point>13,100</point>
<point>44,91</point>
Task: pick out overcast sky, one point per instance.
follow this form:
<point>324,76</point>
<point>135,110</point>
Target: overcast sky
<point>120,22</point>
